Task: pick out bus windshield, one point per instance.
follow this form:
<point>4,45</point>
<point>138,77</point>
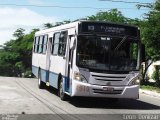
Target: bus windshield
<point>107,53</point>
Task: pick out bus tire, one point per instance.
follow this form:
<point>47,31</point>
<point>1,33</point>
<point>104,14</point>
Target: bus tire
<point>61,93</point>
<point>41,84</point>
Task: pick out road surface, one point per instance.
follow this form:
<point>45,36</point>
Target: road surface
<point>20,98</point>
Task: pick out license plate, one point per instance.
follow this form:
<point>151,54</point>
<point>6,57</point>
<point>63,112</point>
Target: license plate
<point>110,89</point>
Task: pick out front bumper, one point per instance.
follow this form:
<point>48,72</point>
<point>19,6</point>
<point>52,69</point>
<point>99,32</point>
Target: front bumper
<point>88,90</point>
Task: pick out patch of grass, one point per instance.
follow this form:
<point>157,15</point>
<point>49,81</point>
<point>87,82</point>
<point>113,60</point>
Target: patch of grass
<point>151,88</point>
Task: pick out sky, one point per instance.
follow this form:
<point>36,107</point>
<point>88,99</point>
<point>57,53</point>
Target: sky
<point>27,17</point>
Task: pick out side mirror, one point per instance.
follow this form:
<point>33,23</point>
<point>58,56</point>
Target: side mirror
<point>72,43</point>
<point>143,57</point>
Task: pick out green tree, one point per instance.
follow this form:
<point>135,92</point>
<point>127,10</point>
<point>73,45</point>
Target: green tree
<point>48,25</point>
<point>115,16</point>
<point>19,33</point>
<point>15,55</point>
<point>150,28</point>
<point>112,15</point>
<point>61,23</point>
<point>151,33</point>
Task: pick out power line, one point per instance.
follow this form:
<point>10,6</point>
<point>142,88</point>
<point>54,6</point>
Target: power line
<point>64,7</point>
<point>133,2</point>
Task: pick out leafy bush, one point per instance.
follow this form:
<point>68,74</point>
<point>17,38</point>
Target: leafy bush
<point>155,75</point>
<point>28,74</point>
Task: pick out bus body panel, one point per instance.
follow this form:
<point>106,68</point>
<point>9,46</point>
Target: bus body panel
<point>57,65</point>
<point>108,79</point>
<point>88,90</point>
<point>39,63</point>
<point>35,71</point>
<point>53,79</point>
<point>52,66</point>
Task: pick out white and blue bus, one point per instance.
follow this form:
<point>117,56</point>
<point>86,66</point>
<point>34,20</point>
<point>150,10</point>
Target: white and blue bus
<point>91,59</point>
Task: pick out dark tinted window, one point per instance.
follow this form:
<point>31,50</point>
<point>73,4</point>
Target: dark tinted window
<point>62,43</point>
<point>36,45</point>
<point>40,44</point>
<point>45,39</point>
<point>55,43</point>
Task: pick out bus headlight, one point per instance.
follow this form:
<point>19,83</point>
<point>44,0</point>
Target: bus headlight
<point>135,81</point>
<point>79,77</point>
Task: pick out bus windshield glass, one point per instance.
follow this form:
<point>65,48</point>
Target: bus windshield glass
<point>107,53</point>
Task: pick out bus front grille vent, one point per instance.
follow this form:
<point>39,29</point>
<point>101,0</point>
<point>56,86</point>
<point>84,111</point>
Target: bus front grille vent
<point>100,91</point>
<point>109,77</point>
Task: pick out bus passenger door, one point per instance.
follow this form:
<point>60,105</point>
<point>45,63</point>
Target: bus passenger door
<point>69,62</point>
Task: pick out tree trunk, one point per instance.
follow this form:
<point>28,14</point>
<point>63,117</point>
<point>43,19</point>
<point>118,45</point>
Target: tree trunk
<point>144,81</point>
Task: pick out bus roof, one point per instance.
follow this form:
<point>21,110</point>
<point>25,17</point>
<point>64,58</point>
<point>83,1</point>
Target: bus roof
<point>74,24</point>
<point>57,28</point>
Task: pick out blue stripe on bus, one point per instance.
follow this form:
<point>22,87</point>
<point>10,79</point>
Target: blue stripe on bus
<point>52,77</point>
<point>43,75</point>
<point>35,71</point>
<point>47,76</point>
<point>67,84</point>
<point>53,80</point>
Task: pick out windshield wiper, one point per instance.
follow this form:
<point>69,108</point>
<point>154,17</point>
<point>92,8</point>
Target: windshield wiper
<point>122,41</point>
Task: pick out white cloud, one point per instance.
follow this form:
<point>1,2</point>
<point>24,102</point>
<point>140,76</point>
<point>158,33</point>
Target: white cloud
<point>12,18</point>
<point>37,2</point>
<point>5,35</point>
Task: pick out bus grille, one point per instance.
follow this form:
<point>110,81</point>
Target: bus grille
<point>100,91</point>
<point>108,77</point>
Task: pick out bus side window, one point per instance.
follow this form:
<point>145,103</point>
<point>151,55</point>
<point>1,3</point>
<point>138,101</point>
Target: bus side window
<point>36,44</point>
<point>55,43</point>
<point>41,44</point>
<point>45,43</point>
<point>51,40</point>
<point>62,43</point>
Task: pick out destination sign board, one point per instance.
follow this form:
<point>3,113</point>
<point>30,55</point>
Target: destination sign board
<point>108,28</point>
